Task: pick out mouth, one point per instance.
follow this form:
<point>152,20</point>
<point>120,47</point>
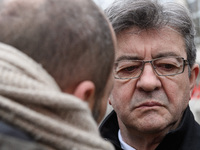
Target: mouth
<point>149,104</point>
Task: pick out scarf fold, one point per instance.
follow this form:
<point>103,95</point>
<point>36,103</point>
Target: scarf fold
<point>31,100</point>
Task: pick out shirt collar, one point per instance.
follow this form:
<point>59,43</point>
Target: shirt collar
<point>124,145</point>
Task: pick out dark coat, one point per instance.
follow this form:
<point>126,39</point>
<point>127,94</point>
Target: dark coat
<point>12,138</point>
<point>185,137</point>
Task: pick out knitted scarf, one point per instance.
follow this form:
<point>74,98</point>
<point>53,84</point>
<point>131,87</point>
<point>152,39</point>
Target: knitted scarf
<point>31,100</point>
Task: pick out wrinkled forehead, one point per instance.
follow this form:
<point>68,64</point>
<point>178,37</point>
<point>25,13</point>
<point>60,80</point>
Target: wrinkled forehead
<point>151,43</point>
<point>165,30</point>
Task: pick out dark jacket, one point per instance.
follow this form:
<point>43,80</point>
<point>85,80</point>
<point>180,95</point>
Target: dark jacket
<point>12,138</point>
<point>185,137</point>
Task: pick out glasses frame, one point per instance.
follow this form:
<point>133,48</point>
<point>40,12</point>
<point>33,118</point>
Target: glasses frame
<point>185,62</point>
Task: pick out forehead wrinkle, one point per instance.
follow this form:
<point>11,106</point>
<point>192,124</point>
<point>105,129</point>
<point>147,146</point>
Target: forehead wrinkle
<point>126,46</point>
<point>139,52</point>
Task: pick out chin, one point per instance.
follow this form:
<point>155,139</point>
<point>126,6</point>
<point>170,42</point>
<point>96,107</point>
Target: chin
<point>152,125</point>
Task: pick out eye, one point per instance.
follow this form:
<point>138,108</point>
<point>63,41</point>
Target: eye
<point>129,69</point>
<point>166,66</point>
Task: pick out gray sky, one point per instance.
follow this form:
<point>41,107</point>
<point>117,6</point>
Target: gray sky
<point>103,3</point>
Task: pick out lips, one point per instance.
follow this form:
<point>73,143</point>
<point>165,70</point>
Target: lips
<point>149,104</point>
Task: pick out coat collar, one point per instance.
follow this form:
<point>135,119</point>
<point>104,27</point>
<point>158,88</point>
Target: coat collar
<point>109,130</point>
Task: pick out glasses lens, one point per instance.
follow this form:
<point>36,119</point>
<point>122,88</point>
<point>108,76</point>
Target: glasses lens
<point>128,69</point>
<point>169,66</point>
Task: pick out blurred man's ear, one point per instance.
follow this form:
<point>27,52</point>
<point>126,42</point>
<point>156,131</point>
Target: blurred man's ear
<point>110,99</point>
<point>193,77</point>
<point>85,91</point>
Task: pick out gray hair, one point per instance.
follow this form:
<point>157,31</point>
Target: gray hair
<point>149,14</point>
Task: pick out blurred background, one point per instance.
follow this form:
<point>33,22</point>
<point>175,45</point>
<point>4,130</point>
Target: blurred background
<point>194,8</point>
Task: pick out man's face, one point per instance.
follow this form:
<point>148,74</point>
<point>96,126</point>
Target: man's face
<point>150,103</point>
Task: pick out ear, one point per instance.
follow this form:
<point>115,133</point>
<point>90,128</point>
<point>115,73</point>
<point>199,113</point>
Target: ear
<point>85,91</point>
<point>193,77</point>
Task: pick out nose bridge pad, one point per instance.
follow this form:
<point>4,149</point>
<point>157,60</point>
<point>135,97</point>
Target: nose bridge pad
<point>154,67</point>
<point>150,61</point>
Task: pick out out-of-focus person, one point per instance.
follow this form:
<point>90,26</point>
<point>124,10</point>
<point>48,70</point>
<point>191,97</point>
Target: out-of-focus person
<point>56,59</point>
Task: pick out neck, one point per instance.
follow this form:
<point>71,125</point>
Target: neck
<point>142,140</point>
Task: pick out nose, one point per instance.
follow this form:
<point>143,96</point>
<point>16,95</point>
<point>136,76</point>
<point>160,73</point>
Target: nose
<point>148,80</point>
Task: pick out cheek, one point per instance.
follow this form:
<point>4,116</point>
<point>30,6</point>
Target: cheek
<point>178,92</point>
<point>122,94</point>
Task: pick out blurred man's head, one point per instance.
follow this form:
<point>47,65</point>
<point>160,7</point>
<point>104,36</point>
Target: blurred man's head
<point>75,47</point>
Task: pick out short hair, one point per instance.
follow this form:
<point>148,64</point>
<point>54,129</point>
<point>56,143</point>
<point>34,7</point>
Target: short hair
<point>72,42</point>
<point>150,14</point>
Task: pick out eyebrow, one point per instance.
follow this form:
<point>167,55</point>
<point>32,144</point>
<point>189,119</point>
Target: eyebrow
<point>164,54</point>
<point>124,57</point>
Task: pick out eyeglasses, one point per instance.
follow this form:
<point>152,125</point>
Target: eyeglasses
<point>164,66</point>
